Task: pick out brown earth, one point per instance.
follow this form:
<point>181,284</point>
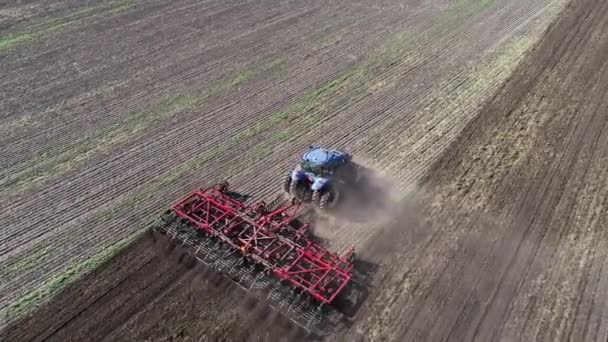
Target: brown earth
<point>121,301</point>
<point>506,239</point>
<point>514,241</point>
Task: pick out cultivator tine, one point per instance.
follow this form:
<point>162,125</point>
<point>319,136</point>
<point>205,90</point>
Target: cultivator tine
<point>228,261</point>
<point>296,299</point>
<point>172,237</point>
<point>239,263</point>
<point>280,296</point>
<point>198,249</point>
<point>239,277</point>
<point>217,263</point>
<point>216,247</point>
<point>221,249</point>
<point>184,242</point>
<point>316,313</point>
<point>270,293</point>
<point>256,279</point>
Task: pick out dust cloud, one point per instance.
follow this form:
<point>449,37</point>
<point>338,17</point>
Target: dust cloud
<point>372,214</point>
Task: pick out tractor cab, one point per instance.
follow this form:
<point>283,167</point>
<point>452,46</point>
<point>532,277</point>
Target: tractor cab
<point>318,174</point>
<point>322,162</point>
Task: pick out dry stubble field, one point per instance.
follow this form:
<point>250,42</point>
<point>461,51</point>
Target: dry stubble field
<point>492,134</point>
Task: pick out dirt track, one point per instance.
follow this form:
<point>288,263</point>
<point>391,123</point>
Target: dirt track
<point>508,231</point>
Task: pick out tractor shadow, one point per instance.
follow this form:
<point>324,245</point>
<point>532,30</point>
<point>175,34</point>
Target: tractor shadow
<point>367,200</point>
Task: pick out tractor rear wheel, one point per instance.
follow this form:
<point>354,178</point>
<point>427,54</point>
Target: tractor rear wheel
<point>287,184</point>
<point>293,188</point>
<point>299,191</point>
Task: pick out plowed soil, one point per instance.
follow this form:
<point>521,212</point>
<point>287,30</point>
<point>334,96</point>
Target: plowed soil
<point>120,302</point>
<point>490,129</point>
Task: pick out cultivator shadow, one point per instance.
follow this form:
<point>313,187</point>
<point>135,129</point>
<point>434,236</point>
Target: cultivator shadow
<point>266,250</point>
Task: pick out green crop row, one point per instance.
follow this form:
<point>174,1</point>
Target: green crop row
<point>54,163</point>
<point>43,29</point>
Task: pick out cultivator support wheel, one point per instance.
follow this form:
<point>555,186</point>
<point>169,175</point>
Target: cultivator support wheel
<point>262,247</point>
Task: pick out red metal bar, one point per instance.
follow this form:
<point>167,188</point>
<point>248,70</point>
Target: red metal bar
<point>311,267</point>
<point>304,272</point>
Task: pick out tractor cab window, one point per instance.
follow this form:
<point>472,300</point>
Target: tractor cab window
<point>314,168</point>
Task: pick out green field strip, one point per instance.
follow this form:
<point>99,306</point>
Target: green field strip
<point>53,164</point>
<point>24,263</point>
<point>43,29</point>
<point>296,110</point>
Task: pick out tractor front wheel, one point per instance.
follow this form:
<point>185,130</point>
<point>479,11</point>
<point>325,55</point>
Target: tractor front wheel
<point>316,197</point>
<point>325,200</point>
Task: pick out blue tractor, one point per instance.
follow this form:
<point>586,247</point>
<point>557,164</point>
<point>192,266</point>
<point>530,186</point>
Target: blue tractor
<point>321,176</point>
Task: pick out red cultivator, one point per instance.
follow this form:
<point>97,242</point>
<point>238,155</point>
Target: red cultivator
<point>262,248</point>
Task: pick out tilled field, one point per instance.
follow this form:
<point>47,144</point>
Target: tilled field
<point>513,242</point>
<point>114,109</point>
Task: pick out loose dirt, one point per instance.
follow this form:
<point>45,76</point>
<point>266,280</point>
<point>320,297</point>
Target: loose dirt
<point>499,235</point>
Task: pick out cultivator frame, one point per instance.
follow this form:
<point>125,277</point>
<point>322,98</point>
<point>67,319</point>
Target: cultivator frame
<point>263,248</point>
